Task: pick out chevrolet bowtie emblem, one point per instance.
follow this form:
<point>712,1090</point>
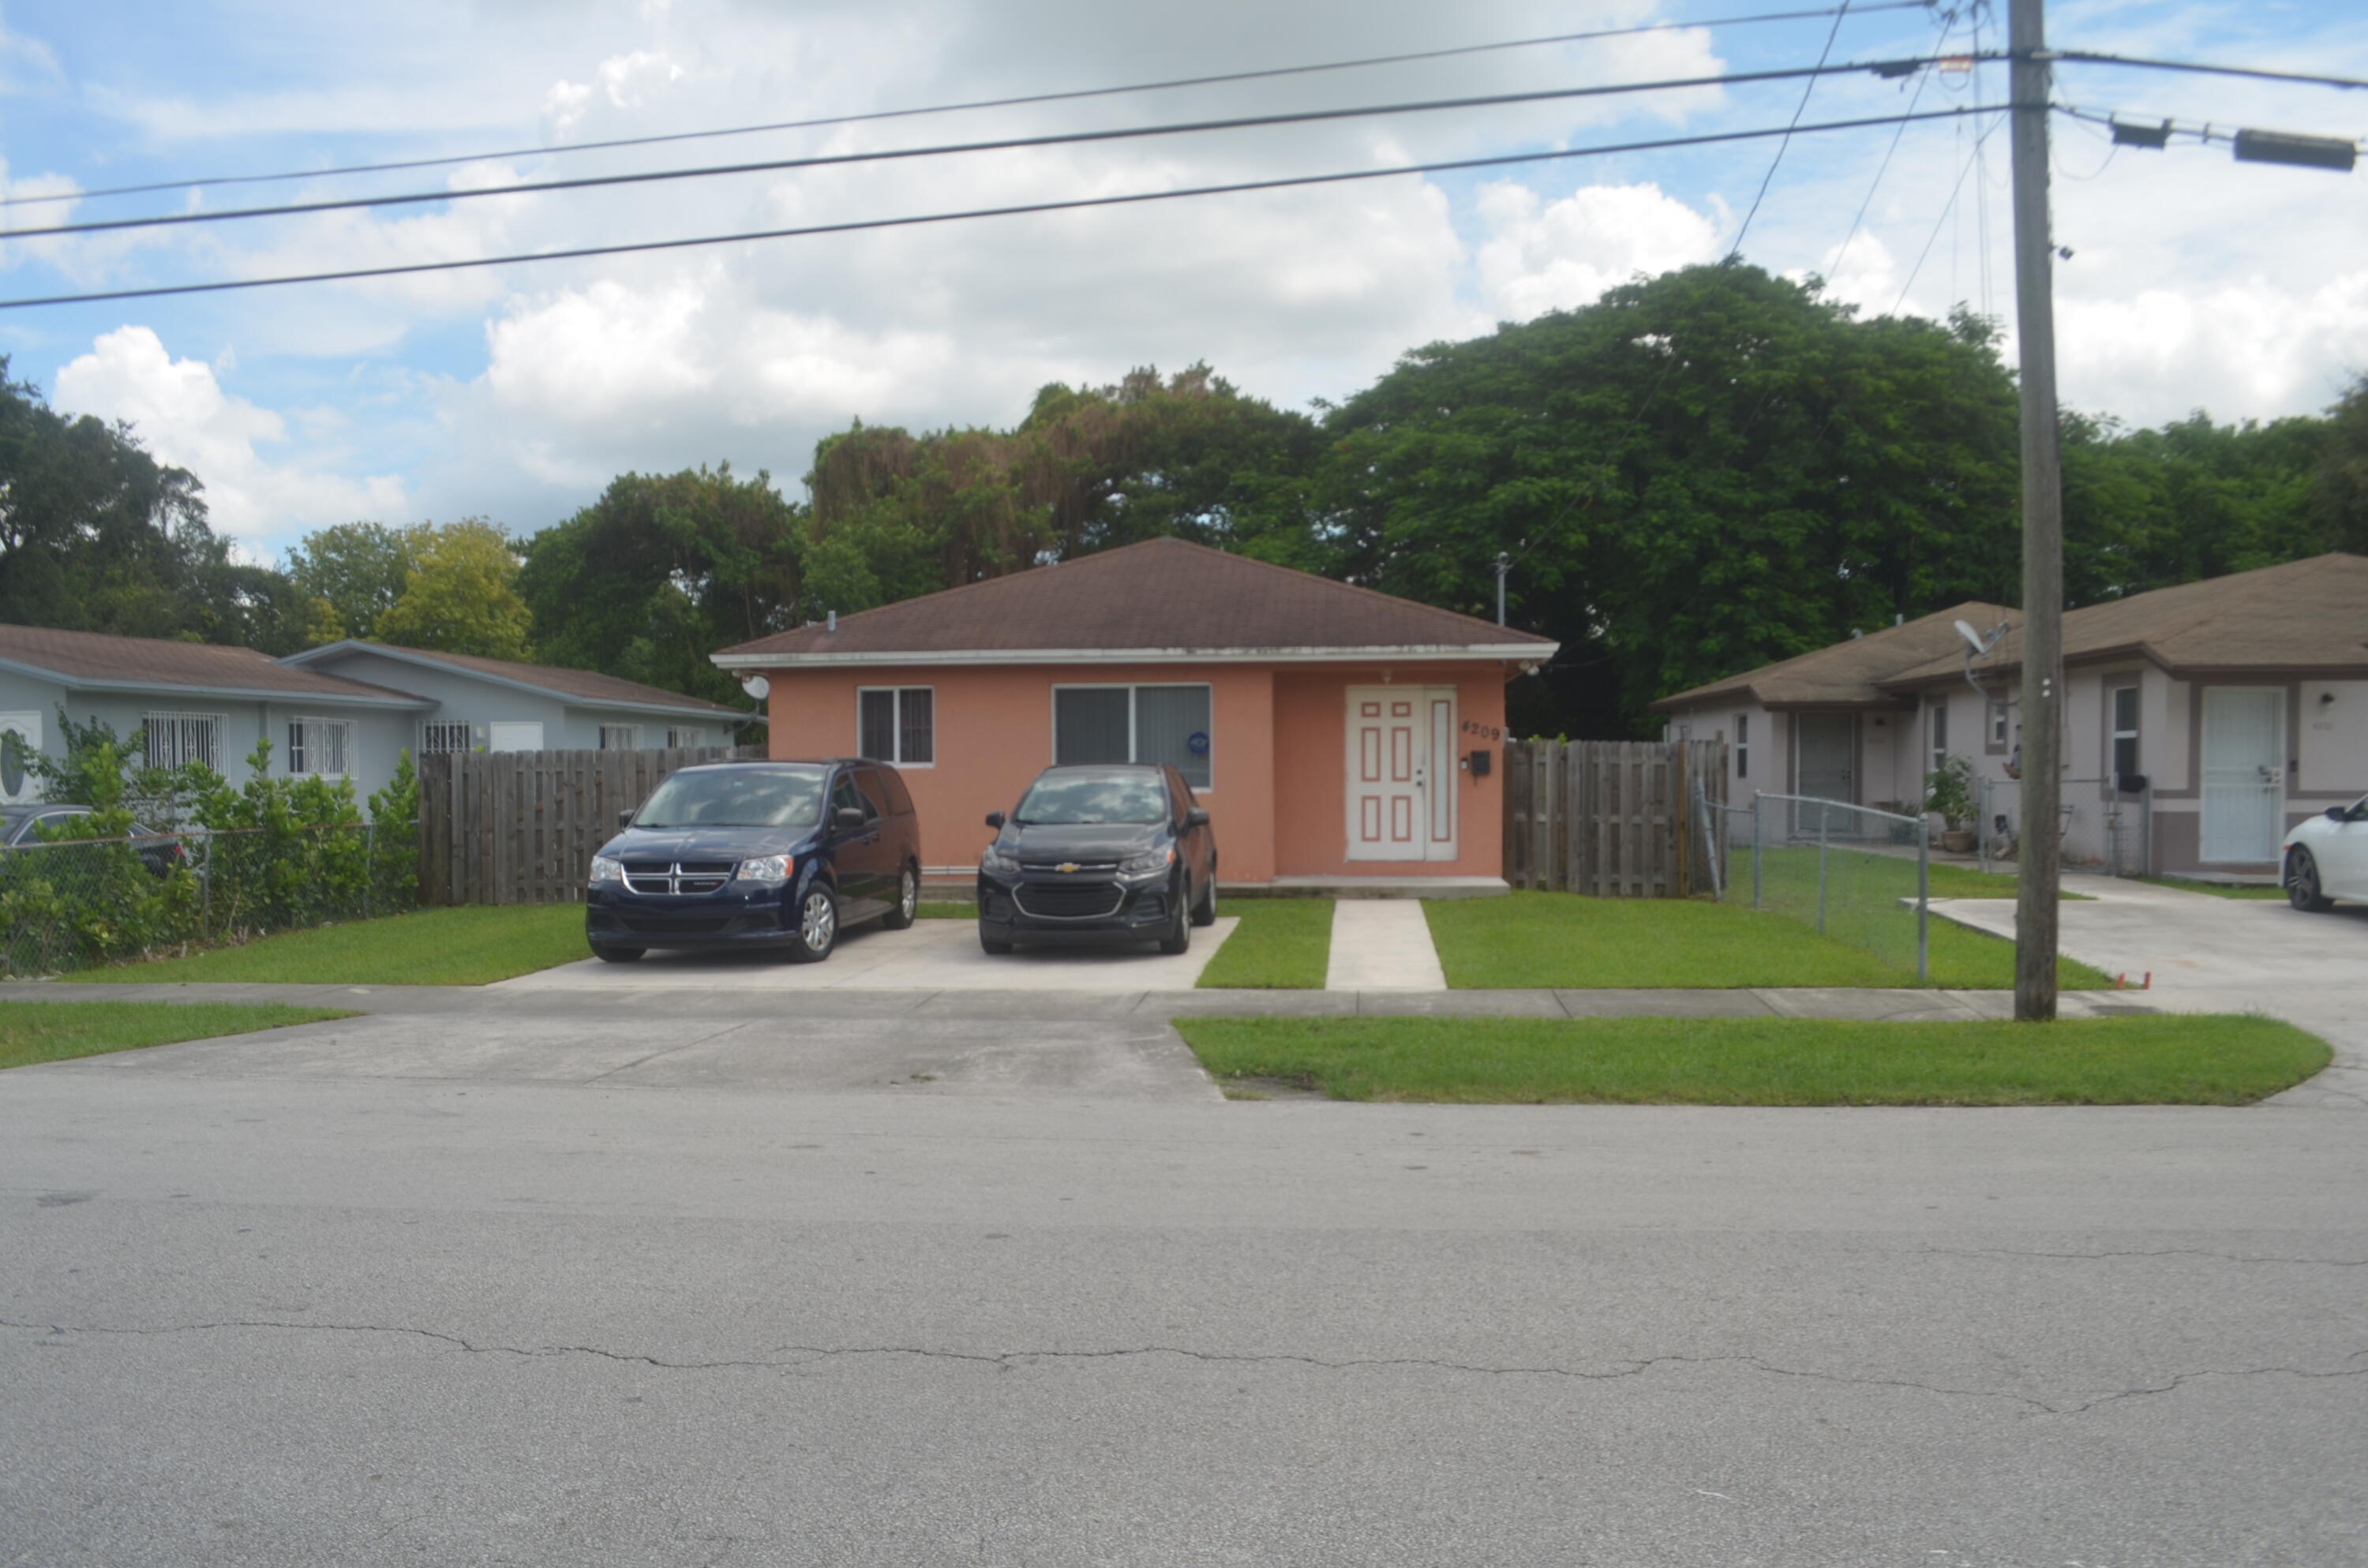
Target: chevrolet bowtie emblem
<point>1066,866</point>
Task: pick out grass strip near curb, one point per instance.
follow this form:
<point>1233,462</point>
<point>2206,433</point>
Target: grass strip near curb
<point>473,945</point>
<point>1949,881</point>
<point>945,909</point>
<point>1281,944</point>
<point>1559,941</point>
<point>60,1031</point>
<point>2218,890</point>
<point>2194,1059</point>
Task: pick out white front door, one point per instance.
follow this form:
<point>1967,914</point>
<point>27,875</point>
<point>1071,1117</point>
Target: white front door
<point>2243,772</point>
<point>1402,801</point>
<point>20,737</point>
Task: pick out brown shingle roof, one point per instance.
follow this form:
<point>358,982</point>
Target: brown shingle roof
<point>1851,674</point>
<point>92,658</point>
<point>2302,616</point>
<point>1164,596</point>
<point>580,686</point>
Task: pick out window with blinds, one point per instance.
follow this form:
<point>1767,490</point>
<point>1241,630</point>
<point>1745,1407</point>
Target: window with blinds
<point>897,723</point>
<point>1136,724</point>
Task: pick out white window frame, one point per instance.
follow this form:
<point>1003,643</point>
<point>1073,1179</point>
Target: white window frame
<point>675,734</point>
<point>176,717</point>
<point>299,754</point>
<point>1939,733</point>
<point>2115,734</point>
<point>633,733</point>
<point>1998,724</point>
<point>1131,688</point>
<point>1743,745</point>
<point>429,727</point>
<point>896,725</point>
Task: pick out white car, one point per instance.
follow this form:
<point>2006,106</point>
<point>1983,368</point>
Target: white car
<point>2326,857</point>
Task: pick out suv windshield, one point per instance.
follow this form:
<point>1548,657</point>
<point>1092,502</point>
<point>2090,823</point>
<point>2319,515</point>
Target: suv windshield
<point>1094,798</point>
<point>737,797</point>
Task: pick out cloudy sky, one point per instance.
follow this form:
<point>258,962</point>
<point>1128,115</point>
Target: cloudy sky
<point>517,392</point>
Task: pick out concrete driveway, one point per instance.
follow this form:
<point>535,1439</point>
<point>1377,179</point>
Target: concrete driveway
<point>2221,955</point>
<point>931,955</point>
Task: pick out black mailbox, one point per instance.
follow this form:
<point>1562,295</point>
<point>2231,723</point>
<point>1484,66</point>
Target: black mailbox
<point>2131,783</point>
<point>1480,764</point>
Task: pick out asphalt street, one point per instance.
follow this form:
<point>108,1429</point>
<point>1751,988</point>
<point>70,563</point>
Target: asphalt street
<point>597,1285</point>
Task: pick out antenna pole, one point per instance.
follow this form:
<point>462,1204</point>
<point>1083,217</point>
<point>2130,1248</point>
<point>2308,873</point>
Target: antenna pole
<point>2042,525</point>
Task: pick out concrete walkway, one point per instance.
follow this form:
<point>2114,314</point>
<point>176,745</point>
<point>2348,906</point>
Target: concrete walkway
<point>1382,945</point>
<point>2220,955</point>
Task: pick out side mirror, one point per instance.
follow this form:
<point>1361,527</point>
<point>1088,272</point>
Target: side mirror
<point>625,817</point>
<point>1196,817</point>
<point>2340,814</point>
<point>995,820</point>
<point>848,816</point>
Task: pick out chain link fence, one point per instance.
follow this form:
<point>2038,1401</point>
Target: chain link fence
<point>76,904</point>
<point>1856,874</point>
<point>2096,829</point>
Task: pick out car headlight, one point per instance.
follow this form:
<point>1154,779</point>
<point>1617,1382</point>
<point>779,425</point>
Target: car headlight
<point>1150,863</point>
<point>998,862</point>
<point>604,870</point>
<point>770,869</point>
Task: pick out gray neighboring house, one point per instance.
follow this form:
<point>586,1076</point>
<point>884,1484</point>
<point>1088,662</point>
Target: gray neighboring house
<point>345,710</point>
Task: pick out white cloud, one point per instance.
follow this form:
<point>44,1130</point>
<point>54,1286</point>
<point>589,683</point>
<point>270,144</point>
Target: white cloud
<point>1542,257</point>
<point>2245,346</point>
<point>181,413</point>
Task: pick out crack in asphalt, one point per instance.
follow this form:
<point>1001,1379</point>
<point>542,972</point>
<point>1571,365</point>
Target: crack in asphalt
<point>2158,1252</point>
<point>792,1357</point>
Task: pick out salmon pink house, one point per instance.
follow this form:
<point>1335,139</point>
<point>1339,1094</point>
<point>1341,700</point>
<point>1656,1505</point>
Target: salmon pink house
<point>1338,737</point>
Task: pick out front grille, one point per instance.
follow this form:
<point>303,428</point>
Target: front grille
<point>672,877</point>
<point>1081,867</point>
<point>1067,901</point>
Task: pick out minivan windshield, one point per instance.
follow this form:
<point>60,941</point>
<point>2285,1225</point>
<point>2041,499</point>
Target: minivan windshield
<point>1094,798</point>
<point>735,797</point>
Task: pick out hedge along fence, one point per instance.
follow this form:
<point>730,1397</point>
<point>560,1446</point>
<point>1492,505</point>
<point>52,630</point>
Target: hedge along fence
<point>167,859</point>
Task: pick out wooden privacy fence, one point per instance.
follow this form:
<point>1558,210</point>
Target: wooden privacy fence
<point>1612,818</point>
<point>521,827</point>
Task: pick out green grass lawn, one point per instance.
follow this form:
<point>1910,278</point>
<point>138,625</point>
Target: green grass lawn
<point>60,1031</point>
<point>1559,939</point>
<point>2218,890</point>
<point>2198,1059</point>
<point>945,909</point>
<point>1281,943</point>
<point>473,945</point>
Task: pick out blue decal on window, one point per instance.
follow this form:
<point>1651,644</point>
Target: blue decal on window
<point>1197,743</point>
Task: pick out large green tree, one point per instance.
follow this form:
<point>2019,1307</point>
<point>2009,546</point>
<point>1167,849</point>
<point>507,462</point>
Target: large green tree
<point>96,535</point>
<point>1695,475</point>
<point>461,595</point>
<point>662,570</point>
<point>357,570</point>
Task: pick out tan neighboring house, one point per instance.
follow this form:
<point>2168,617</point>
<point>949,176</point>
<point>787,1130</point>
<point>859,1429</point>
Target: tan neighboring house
<point>2201,721</point>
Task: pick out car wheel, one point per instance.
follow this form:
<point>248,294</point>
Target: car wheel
<point>817,926</point>
<point>1205,910</point>
<point>616,955</point>
<point>1178,938</point>
<point>993,947</point>
<point>2302,884</point>
<point>908,899</point>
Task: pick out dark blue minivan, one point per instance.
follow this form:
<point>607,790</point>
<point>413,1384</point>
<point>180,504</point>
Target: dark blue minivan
<point>782,855</point>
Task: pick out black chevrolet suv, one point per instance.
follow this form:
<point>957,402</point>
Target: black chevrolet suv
<point>758,855</point>
<point>1099,853</point>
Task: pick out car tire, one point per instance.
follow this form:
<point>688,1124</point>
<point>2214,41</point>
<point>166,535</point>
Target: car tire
<point>817,925</point>
<point>992,948</point>
<point>616,955</point>
<point>2302,884</point>
<point>900,914</point>
<point>1204,909</point>
<point>1178,938</point>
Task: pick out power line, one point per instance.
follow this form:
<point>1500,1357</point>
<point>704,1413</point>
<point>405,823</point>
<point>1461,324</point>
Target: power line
<point>2093,57</point>
<point>1073,204</point>
<point>1923,80</point>
<point>1026,100</point>
<point>2205,133</point>
<point>1008,143</point>
<point>1948,206</point>
<point>1798,110</point>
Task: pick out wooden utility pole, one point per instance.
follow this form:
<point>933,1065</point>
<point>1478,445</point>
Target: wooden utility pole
<point>2042,525</point>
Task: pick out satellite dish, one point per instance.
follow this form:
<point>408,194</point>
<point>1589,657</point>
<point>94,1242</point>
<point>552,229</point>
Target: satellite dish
<point>1974,638</point>
<point>757,686</point>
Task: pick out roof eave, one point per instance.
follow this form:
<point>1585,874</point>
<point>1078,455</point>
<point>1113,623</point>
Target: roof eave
<point>1526,652</point>
<point>565,699</point>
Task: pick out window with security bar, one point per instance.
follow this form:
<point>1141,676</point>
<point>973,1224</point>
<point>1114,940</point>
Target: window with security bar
<point>323,746</point>
<point>443,738</point>
<point>175,740</point>
<point>621,737</point>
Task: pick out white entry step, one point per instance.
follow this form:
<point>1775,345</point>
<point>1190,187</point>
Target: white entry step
<point>1382,945</point>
